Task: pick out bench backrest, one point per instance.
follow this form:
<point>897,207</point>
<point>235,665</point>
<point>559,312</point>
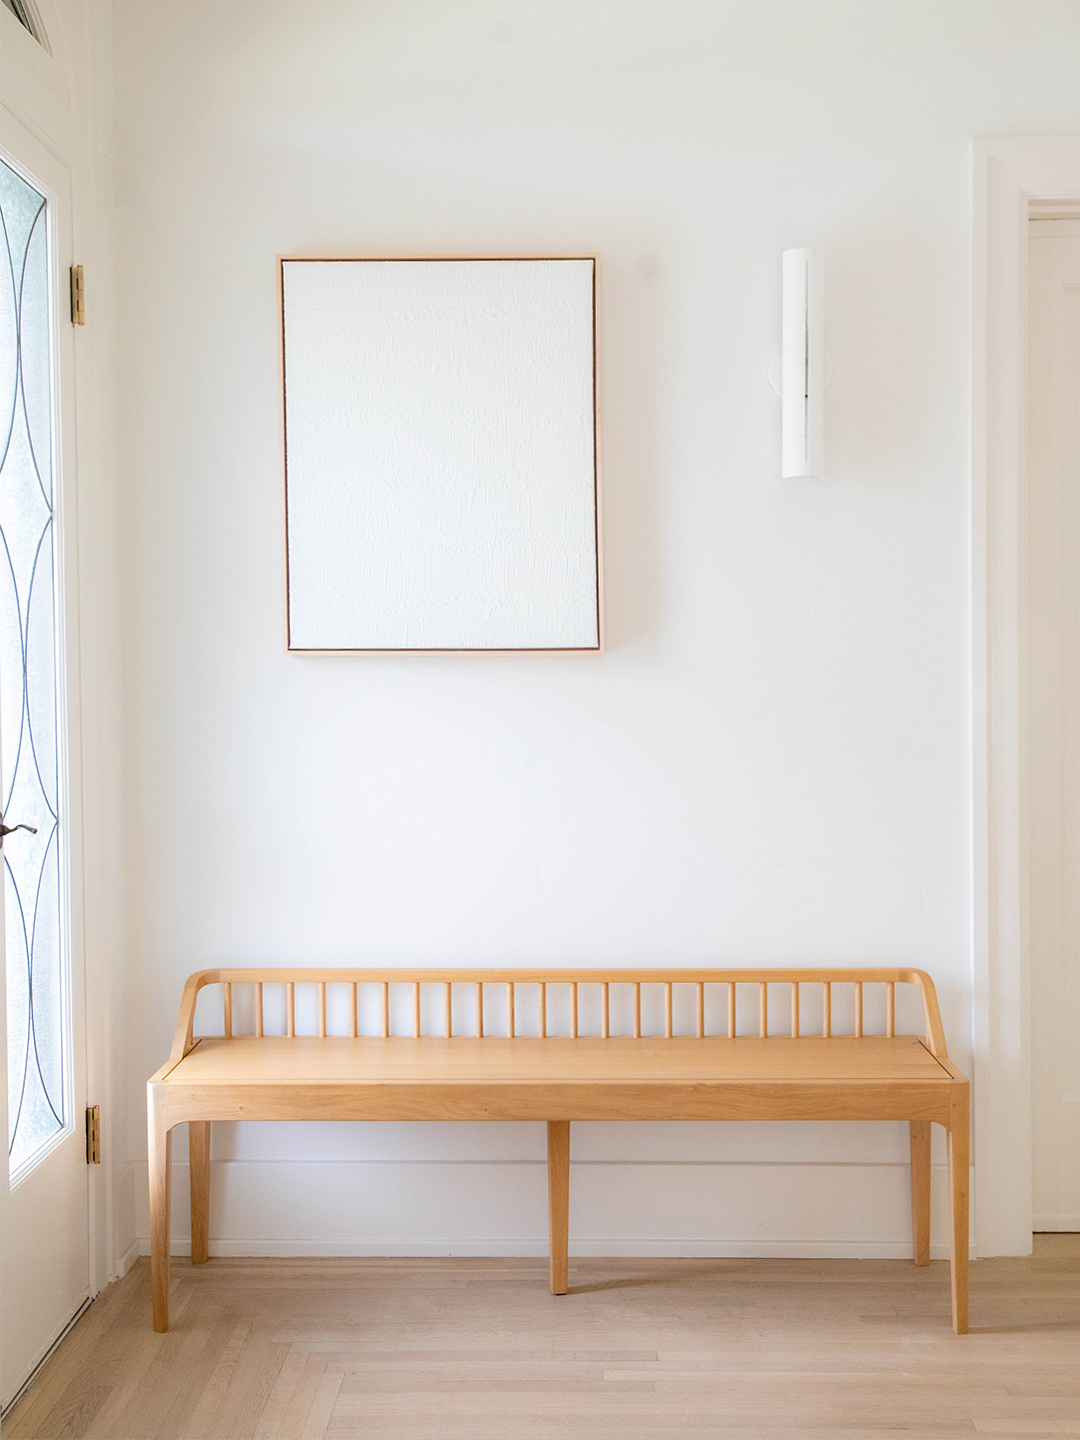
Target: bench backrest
<point>577,1003</point>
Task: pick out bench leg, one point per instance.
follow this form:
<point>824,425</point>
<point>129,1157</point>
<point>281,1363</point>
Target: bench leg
<point>920,1191</point>
<point>199,1154</point>
<point>558,1202</point>
<point>160,1147</point>
<point>958,1202</point>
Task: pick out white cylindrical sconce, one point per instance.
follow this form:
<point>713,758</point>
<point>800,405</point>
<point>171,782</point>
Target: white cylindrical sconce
<point>803,364</point>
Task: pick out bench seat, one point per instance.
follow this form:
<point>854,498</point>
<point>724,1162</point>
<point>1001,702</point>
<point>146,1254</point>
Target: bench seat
<point>526,1078</point>
<point>558,1079</point>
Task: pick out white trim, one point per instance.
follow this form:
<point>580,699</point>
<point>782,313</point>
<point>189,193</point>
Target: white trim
<point>25,152</point>
<point>457,1208</point>
<point>1042,207</point>
<point>1007,174</point>
<point>1056,225</point>
<point>533,1248</point>
<point>130,1255</point>
<point>64,98</point>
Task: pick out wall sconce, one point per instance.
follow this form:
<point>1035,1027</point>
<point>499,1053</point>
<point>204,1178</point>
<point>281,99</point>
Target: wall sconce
<point>802,365</point>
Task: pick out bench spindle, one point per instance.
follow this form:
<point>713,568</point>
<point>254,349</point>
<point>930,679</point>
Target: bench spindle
<point>763,1008</point>
<point>669,1011</point>
<point>510,1021</point>
<point>573,1010</point>
<point>701,1010</point>
<point>826,1010</point>
<point>637,1012</point>
<point>449,1016</point>
<point>385,1010</point>
<point>479,1009</point>
<point>354,1010</point>
<point>322,1009</point>
<point>259,1010</point>
<point>416,1009</point>
<point>890,1009</point>
<point>794,1009</point>
<point>290,1009</point>
<point>858,1009</point>
<point>227,999</point>
<point>543,1010</point>
<point>731,1022</point>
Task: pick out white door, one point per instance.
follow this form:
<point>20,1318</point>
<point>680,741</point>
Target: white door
<point>44,1247</point>
<point>1054,716</point>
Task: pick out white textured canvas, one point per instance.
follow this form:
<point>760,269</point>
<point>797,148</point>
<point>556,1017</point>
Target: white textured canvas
<point>440,454</point>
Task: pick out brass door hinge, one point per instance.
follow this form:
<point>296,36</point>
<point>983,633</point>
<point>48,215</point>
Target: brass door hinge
<point>78,298</point>
<point>93,1134</point>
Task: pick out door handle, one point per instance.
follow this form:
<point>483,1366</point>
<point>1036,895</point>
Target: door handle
<point>10,830</point>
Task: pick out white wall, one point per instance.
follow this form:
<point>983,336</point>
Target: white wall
<point>770,763</point>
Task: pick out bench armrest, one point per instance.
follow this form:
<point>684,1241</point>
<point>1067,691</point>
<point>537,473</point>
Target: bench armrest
<point>935,1031</point>
<point>183,1040</point>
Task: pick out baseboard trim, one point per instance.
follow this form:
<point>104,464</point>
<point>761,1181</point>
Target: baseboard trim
<point>130,1255</point>
<point>537,1249</point>
<point>1069,1224</point>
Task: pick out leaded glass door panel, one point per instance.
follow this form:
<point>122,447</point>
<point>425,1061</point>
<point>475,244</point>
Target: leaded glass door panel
<point>44,1245</point>
<point>33,939</point>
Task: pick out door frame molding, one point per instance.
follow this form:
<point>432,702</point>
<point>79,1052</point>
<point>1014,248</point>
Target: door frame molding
<point>58,93</point>
<point>1007,174</point>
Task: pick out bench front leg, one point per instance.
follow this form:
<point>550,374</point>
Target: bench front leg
<point>159,1136</point>
<point>199,1161</point>
<point>558,1152</point>
<point>959,1125</point>
<point>920,1191</point>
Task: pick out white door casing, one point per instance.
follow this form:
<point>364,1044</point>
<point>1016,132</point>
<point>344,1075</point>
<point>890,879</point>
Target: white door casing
<point>1008,175</point>
<point>57,96</point>
<point>1053,678</point>
<point>45,1275</point>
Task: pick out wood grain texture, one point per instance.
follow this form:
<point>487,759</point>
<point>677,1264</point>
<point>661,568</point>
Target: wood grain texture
<point>920,1191</point>
<point>558,1159</point>
<point>199,1162</point>
<point>463,1059</point>
<point>563,1100</point>
<point>634,980</point>
<point>477,1349</point>
<point>677,1076</point>
<point>159,1148</point>
<point>959,1205</point>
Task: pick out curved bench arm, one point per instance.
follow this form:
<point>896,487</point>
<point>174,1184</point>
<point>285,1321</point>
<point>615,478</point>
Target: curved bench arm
<point>183,1040</point>
<point>935,1031</point>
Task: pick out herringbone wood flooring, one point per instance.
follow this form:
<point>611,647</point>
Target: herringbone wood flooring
<point>478,1349</point>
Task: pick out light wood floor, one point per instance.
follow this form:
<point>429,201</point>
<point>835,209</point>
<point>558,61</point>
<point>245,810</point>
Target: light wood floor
<point>479,1350</point>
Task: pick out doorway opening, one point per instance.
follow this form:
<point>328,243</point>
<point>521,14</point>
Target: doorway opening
<point>1052,729</point>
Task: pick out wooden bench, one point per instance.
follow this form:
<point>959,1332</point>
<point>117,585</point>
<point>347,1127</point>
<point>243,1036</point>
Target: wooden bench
<point>559,1046</point>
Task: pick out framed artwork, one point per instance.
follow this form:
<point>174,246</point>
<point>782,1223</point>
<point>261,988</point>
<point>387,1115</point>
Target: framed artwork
<point>440,440</point>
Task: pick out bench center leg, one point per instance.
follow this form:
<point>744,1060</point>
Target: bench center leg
<point>199,1153</point>
<point>558,1202</point>
<point>920,1191</point>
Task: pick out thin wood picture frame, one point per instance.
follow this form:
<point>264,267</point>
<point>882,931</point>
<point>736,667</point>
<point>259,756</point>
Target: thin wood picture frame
<point>565,300</point>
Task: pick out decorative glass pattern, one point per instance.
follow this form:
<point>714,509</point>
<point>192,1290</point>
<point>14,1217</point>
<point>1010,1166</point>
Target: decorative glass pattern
<point>29,769</point>
<point>19,10</point>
